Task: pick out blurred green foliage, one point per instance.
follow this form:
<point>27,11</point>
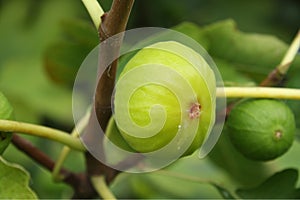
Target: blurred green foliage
<point>281,18</point>
<point>285,180</point>
<point>33,33</point>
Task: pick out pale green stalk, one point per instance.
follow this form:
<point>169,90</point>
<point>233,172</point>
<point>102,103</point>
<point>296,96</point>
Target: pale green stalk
<point>95,11</point>
<point>259,92</point>
<point>290,55</point>
<point>42,131</point>
<point>101,187</point>
<point>66,150</point>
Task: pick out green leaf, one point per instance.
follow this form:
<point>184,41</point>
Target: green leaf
<point>6,112</point>
<point>252,56</point>
<point>231,76</point>
<point>293,82</point>
<point>225,156</point>
<point>63,58</point>
<point>281,185</point>
<point>224,192</point>
<point>14,182</point>
<point>227,69</point>
<point>62,61</point>
<point>252,53</point>
<point>189,177</point>
<point>193,31</point>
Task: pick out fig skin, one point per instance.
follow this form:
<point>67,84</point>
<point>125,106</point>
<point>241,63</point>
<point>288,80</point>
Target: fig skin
<point>203,83</point>
<point>6,113</point>
<point>261,130</point>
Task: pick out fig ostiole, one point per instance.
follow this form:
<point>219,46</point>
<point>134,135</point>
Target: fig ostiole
<point>165,98</point>
<point>6,112</point>
<point>261,129</point>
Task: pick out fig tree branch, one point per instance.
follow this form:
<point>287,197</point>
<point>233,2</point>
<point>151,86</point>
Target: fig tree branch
<point>34,153</point>
<point>112,22</point>
<point>38,156</point>
<point>79,182</point>
<point>277,75</point>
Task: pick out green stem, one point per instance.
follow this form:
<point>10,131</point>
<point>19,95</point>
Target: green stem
<point>276,76</point>
<point>66,150</point>
<point>259,92</point>
<point>101,187</point>
<point>56,176</point>
<point>95,11</point>
<point>290,55</point>
<point>42,131</point>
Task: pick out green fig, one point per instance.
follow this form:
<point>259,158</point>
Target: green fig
<point>165,87</point>
<point>261,129</point>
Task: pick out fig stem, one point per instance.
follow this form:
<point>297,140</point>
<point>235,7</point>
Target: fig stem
<point>66,149</point>
<point>42,131</point>
<point>259,92</point>
<point>276,76</point>
<point>101,187</point>
<point>290,55</point>
<point>95,11</point>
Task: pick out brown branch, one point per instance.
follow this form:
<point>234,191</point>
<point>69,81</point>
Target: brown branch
<point>274,78</point>
<point>79,182</point>
<point>34,153</point>
<point>113,22</point>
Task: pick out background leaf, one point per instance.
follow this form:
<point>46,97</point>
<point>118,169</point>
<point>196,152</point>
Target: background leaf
<point>279,186</point>
<point>63,58</point>
<point>236,165</point>
<point>224,192</point>
<point>194,31</point>
<point>163,185</point>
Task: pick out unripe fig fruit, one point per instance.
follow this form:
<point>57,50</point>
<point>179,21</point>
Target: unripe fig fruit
<point>6,112</point>
<point>153,99</point>
<point>261,129</point>
<point>113,135</point>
